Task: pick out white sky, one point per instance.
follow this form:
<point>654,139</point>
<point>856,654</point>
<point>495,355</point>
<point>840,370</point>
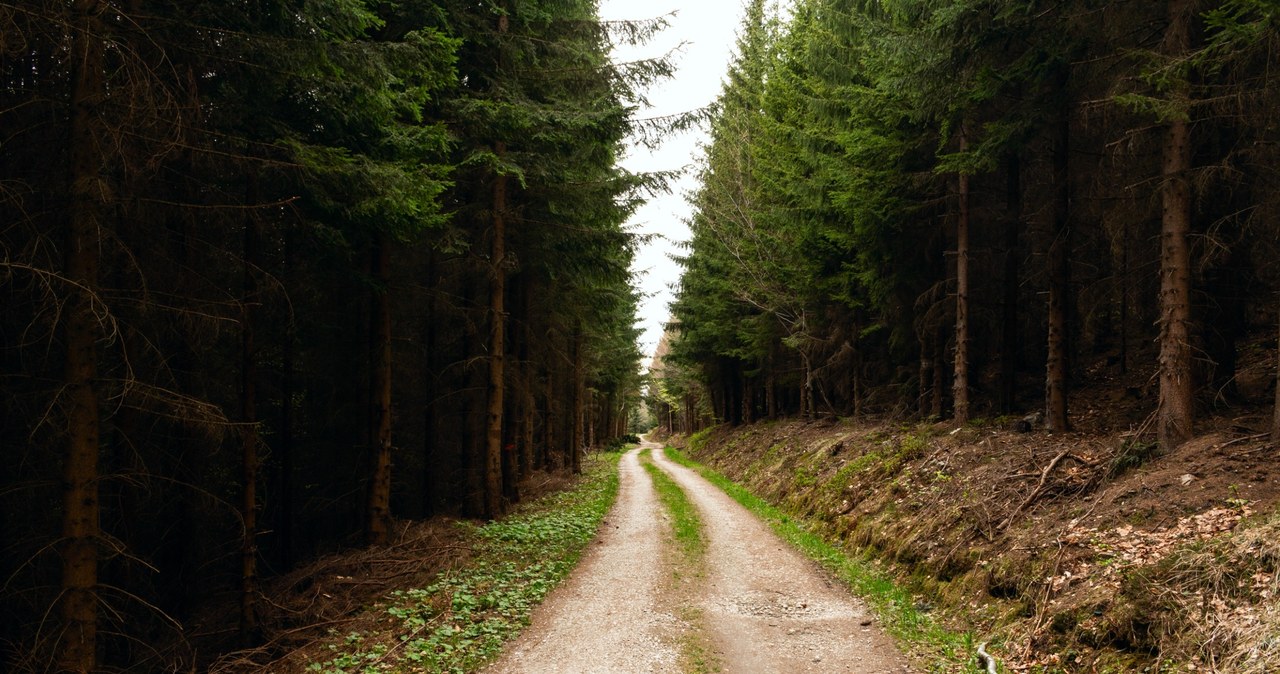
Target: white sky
<point>709,29</point>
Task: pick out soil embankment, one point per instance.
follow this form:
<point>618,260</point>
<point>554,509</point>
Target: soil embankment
<point>1080,552</point>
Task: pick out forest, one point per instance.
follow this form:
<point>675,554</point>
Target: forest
<point>970,209</point>
<point>279,275</point>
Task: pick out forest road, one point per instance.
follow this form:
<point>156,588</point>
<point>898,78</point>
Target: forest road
<point>610,615</point>
<point>761,606</point>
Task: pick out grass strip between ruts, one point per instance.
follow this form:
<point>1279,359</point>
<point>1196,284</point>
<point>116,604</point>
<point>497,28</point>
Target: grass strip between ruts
<point>685,525</point>
<point>464,617</point>
<point>691,544</point>
<point>895,607</point>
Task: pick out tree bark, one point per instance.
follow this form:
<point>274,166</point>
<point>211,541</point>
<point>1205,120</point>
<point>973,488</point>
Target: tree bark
<point>579,404</point>
<point>493,502</point>
<point>549,422</point>
<point>249,425</point>
<point>379,516</point>
<point>1275,413</point>
<point>771,395</point>
<point>1124,299</point>
<point>526,426</point>
<point>89,196</point>
<point>1176,411</point>
<point>1009,308</point>
<point>430,410</point>
<point>286,420</point>
<point>1056,366</point>
<point>591,416</point>
<point>808,408</point>
<point>939,374</point>
<point>960,386</point>
<point>528,410</point>
<point>925,377</point>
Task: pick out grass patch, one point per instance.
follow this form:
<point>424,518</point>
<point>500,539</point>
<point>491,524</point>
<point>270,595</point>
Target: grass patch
<point>462,619</point>
<point>699,657</point>
<point>895,607</point>
<point>685,525</point>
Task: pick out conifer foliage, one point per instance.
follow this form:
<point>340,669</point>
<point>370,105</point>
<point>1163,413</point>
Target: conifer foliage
<point>951,208</point>
<point>278,276</point>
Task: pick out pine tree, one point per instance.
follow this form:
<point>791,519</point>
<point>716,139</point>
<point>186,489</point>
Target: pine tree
<point>82,330</point>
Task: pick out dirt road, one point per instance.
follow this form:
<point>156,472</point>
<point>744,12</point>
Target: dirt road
<point>762,606</point>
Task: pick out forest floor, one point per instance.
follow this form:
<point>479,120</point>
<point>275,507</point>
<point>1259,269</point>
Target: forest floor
<point>1087,551</point>
<point>753,604</point>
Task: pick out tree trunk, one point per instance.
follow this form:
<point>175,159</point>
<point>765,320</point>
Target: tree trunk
<point>1009,309</point>
<point>939,374</point>
<point>378,527</point>
<point>528,403</point>
<point>960,387</point>
<point>579,404</point>
<point>529,418</point>
<point>80,505</point>
<point>925,378</point>
<point>1056,369</point>
<point>807,405</point>
<point>286,421</point>
<point>549,422</point>
<point>1176,412</point>
<point>592,406</point>
<point>1275,413</point>
<point>771,395</point>
<point>430,339</point>
<point>1124,298</point>
<point>249,426</point>
<point>497,347</point>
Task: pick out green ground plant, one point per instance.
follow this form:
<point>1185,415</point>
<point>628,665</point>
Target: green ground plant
<point>685,525</point>
<point>462,619</point>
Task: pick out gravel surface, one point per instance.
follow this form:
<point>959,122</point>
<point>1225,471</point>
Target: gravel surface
<point>610,615</point>
<point>763,606</point>
<point>769,608</point>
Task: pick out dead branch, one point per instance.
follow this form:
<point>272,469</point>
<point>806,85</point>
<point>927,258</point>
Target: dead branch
<point>1243,438</point>
<point>1035,493</point>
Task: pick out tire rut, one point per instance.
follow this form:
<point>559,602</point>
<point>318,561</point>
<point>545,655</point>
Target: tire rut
<point>760,606</point>
<point>767,607</point>
<point>610,616</point>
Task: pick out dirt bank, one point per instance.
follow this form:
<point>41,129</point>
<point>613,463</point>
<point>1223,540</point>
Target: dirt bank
<point>1088,552</point>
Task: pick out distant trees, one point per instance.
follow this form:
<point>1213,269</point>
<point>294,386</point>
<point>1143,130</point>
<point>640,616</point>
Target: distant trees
<point>276,276</point>
<point>919,173</point>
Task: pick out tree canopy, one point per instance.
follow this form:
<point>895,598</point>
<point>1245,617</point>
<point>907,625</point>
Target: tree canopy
<point>947,208</point>
<point>279,275</point>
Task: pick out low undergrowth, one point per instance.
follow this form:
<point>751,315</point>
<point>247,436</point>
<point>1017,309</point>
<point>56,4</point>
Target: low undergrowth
<point>462,619</point>
<point>899,612</point>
